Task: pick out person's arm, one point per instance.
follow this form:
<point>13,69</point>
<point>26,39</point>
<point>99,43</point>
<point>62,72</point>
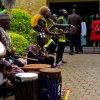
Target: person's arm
<point>92,26</point>
<point>47,31</point>
<point>63,25</point>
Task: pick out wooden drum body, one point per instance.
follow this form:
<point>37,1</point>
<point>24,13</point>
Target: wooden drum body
<point>26,86</point>
<point>50,84</point>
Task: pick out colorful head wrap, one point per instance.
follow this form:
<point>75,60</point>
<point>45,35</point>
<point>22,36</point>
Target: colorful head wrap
<point>35,19</point>
<point>4,15</point>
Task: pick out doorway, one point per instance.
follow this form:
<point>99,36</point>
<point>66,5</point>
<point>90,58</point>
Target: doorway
<point>86,9</point>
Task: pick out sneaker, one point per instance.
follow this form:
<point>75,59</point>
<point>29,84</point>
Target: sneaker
<point>59,63</point>
<point>71,53</point>
<point>64,61</point>
<point>54,65</point>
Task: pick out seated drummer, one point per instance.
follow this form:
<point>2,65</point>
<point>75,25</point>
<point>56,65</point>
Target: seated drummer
<point>8,72</point>
<point>38,52</point>
<point>6,41</point>
<point>4,36</point>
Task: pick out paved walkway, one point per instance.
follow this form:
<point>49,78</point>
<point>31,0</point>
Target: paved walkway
<point>81,74</point>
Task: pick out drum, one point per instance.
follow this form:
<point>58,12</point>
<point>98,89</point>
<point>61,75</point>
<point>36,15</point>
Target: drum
<point>35,67</point>
<point>2,50</point>
<point>26,86</point>
<point>50,84</point>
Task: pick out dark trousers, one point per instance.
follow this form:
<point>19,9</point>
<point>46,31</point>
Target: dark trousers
<point>49,60</point>
<point>75,41</point>
<point>60,51</point>
<point>80,48</point>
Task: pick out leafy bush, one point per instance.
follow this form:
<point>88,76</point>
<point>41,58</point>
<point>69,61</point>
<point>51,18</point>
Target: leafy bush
<point>19,42</point>
<point>21,23</point>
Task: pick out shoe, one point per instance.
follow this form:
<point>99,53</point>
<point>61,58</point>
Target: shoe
<point>76,52</point>
<point>71,53</point>
<point>59,63</point>
<point>54,65</point>
<point>80,52</point>
<point>64,61</point>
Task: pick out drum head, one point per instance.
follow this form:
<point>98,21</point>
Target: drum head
<point>2,50</point>
<point>35,67</point>
<point>27,76</point>
<point>50,70</point>
<point>40,66</point>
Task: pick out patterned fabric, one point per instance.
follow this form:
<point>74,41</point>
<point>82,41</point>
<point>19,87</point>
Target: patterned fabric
<point>4,15</point>
<point>16,69</point>
<point>5,39</point>
<point>37,51</point>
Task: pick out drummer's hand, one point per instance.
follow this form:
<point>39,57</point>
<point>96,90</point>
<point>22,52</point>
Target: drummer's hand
<point>11,61</point>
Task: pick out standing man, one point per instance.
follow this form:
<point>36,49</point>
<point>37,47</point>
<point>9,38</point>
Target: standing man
<point>75,33</point>
<point>62,19</point>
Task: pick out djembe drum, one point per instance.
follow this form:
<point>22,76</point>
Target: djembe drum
<point>2,50</point>
<point>50,84</point>
<point>2,54</point>
<point>26,86</point>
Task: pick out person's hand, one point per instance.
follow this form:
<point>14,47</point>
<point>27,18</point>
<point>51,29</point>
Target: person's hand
<point>11,61</point>
<point>72,26</point>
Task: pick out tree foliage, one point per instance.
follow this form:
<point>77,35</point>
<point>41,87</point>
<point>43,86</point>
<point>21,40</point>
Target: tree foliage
<point>19,42</point>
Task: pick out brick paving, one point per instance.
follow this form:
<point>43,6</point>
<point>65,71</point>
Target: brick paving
<point>81,74</point>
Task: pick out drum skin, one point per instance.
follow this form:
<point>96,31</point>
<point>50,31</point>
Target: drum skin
<point>50,83</point>
<point>35,67</point>
<point>2,50</point>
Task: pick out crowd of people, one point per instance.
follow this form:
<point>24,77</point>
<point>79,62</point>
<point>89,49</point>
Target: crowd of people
<point>53,32</point>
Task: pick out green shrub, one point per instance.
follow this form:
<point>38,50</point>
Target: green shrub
<point>21,23</point>
<point>19,42</point>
